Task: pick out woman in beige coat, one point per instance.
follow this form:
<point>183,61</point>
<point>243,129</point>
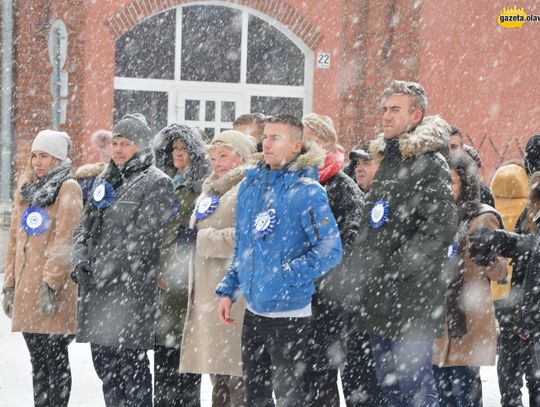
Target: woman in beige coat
<point>470,338</point>
<point>39,295</point>
<point>208,346</point>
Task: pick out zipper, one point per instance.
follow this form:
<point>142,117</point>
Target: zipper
<point>253,242</point>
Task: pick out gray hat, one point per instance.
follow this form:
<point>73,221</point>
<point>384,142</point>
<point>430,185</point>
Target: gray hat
<point>362,153</point>
<point>134,127</point>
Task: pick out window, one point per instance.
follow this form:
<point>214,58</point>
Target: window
<point>147,51</point>
<point>211,41</point>
<point>207,64</point>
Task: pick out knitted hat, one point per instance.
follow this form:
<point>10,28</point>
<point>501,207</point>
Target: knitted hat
<point>243,144</point>
<point>321,126</point>
<point>532,155</point>
<point>134,127</point>
<point>55,143</point>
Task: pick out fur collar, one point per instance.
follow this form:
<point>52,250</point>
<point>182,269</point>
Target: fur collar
<point>432,134</point>
<point>89,170</point>
<point>219,186</point>
<point>312,155</point>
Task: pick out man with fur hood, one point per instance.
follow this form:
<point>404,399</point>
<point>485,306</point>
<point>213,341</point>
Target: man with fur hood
<point>180,153</point>
<point>286,238</point>
<point>116,263</point>
<point>407,225</point>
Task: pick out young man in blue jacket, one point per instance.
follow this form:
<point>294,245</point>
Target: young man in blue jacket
<point>286,237</point>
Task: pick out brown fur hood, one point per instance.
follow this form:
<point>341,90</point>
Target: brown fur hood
<point>432,134</point>
<point>89,170</point>
<point>219,186</point>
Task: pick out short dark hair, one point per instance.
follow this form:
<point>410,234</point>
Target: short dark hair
<point>286,118</point>
<point>257,119</point>
<point>455,131</point>
<point>289,120</point>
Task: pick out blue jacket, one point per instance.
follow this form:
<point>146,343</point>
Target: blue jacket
<point>275,272</point>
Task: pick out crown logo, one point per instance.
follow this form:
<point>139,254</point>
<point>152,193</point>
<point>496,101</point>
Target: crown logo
<point>512,17</point>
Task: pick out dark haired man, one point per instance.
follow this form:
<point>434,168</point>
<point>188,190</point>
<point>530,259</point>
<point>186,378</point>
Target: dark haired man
<point>286,237</point>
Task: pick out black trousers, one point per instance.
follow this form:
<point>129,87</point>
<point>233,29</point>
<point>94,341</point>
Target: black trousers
<point>125,374</point>
<point>172,388</point>
<point>51,373</point>
<point>273,358</point>
<point>336,344</point>
<point>515,360</point>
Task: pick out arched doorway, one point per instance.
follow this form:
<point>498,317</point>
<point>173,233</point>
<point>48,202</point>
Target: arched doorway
<point>205,64</point>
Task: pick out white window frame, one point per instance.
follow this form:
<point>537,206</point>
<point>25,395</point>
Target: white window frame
<point>242,91</point>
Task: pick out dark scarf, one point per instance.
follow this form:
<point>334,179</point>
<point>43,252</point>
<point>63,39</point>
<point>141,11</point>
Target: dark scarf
<point>44,191</point>
<point>116,177</point>
<point>457,321</point>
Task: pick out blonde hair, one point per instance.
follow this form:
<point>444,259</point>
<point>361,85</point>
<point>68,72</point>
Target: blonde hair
<point>29,176</point>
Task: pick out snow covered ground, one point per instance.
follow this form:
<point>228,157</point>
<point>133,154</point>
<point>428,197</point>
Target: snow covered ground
<point>16,381</point>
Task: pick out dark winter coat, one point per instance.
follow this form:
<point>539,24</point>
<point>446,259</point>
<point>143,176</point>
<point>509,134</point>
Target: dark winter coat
<point>346,201</point>
<point>179,241</point>
<point>276,272</point>
<point>86,175</point>
<point>402,264</point>
<point>121,309</point>
<point>526,248</point>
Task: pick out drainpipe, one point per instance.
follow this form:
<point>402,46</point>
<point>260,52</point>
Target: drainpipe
<point>7,91</point>
<point>5,136</point>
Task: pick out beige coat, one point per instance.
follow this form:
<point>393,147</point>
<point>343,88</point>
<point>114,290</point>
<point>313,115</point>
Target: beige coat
<point>32,260</point>
<point>478,346</point>
<point>207,345</point>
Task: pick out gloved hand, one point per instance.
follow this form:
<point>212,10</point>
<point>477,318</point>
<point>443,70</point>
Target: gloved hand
<point>83,275</point>
<point>47,303</point>
<point>7,301</point>
<point>484,244</point>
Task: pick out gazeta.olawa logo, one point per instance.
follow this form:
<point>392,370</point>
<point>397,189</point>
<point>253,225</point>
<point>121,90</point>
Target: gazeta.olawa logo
<point>515,17</point>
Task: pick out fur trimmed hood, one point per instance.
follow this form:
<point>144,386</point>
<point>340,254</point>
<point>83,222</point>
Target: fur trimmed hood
<point>219,186</point>
<point>312,155</point>
<point>200,164</point>
<point>89,170</point>
<point>432,134</point>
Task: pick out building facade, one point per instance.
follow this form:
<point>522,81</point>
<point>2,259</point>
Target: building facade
<point>206,62</point>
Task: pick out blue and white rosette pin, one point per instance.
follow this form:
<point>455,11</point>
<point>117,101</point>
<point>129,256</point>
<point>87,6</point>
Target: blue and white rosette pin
<point>103,195</point>
<point>452,250</point>
<point>175,208</point>
<point>379,213</point>
<point>265,222</point>
<point>35,220</point>
<point>206,207</point>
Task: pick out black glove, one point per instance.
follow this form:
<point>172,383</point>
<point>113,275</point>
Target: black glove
<point>47,303</point>
<point>83,275</point>
<point>484,244</point>
<point>7,301</point>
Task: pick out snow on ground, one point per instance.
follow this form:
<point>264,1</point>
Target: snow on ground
<point>16,380</point>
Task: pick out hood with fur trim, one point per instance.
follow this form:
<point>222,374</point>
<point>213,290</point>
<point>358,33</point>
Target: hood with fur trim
<point>311,155</point>
<point>89,170</point>
<point>431,135</point>
<point>219,186</point>
<point>199,168</point>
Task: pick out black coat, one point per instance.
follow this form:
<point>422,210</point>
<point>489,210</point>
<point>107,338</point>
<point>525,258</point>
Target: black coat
<point>525,250</point>
<point>346,201</point>
<point>121,309</point>
<point>403,261</point>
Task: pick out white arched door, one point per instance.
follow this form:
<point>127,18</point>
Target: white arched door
<point>206,64</point>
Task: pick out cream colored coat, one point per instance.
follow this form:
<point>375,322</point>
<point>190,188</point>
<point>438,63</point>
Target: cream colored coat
<point>478,346</point>
<point>207,345</point>
<point>32,260</point>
